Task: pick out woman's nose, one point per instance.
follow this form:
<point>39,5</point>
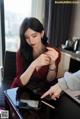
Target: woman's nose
<point>31,40</point>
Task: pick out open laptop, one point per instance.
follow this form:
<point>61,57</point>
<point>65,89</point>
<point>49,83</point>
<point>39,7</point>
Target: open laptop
<point>75,95</point>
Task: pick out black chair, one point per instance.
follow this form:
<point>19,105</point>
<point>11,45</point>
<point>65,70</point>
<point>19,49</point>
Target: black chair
<point>9,67</point>
<point>8,74</point>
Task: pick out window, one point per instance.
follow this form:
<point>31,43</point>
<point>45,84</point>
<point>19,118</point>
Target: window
<point>15,11</point>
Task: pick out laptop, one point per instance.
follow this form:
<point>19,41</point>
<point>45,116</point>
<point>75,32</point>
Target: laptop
<point>75,95</point>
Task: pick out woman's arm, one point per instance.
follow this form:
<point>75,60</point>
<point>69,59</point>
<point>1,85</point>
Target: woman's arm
<point>56,89</point>
<point>25,77</point>
<point>42,60</point>
<point>54,92</point>
<point>72,81</point>
<point>53,67</point>
<point>51,72</point>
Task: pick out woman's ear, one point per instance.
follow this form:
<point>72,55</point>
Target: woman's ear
<point>42,34</point>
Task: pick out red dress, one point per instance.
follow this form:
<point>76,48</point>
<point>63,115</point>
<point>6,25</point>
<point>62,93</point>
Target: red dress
<point>37,76</point>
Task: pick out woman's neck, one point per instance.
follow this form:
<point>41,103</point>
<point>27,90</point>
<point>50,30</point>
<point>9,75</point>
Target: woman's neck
<point>38,50</point>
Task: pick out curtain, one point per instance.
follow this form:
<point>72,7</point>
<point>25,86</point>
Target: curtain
<point>38,9</point>
<point>57,22</point>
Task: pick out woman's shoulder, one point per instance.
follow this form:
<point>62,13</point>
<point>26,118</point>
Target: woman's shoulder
<point>57,49</point>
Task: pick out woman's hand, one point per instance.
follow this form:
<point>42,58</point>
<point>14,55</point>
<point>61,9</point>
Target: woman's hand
<point>54,92</point>
<point>42,60</point>
<point>53,54</point>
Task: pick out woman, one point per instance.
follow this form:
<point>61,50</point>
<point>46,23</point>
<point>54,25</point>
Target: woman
<point>70,81</point>
<point>36,62</point>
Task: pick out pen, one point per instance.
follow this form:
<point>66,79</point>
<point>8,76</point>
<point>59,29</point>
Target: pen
<point>48,104</point>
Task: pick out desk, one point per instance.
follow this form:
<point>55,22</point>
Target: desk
<point>66,108</point>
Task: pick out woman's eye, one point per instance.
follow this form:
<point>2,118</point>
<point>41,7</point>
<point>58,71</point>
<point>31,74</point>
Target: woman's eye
<point>35,36</point>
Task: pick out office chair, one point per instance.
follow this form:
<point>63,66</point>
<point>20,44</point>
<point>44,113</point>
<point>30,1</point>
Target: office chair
<point>9,72</point>
<point>9,67</point>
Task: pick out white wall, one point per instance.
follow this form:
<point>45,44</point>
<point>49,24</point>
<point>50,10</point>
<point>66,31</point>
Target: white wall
<point>76,24</point>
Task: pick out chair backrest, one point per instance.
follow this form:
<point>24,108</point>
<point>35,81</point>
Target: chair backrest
<point>63,65</point>
<point>9,65</point>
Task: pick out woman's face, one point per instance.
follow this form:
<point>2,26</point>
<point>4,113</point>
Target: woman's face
<point>33,38</point>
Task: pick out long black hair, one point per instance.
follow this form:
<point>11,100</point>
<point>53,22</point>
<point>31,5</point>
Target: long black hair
<point>25,49</point>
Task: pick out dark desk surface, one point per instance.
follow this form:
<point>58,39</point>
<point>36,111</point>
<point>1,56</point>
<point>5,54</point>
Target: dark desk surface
<point>13,96</point>
<point>66,108</point>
